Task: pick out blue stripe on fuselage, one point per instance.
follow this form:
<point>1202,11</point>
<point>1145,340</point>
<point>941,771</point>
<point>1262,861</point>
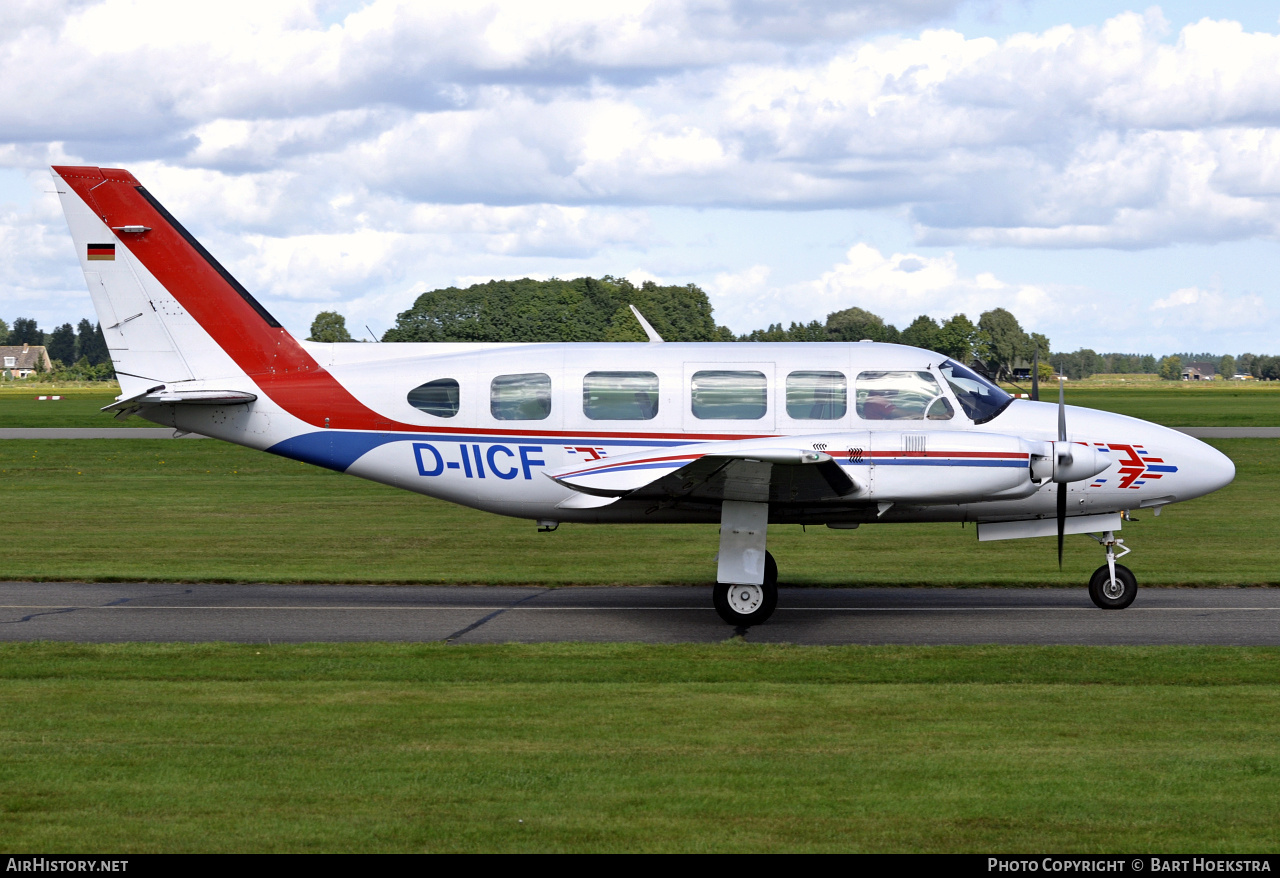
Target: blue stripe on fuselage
<point>338,449</point>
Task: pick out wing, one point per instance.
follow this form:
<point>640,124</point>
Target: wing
<point>759,470</point>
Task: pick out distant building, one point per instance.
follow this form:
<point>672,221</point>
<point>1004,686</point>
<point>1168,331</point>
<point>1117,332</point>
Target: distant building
<point>1199,372</point>
<point>21,360</point>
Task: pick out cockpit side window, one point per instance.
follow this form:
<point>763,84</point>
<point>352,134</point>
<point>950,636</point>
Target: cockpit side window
<point>901,396</point>
<point>981,400</point>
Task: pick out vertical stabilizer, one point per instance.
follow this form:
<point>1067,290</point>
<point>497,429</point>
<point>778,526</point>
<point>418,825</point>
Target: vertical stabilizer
<point>172,314</point>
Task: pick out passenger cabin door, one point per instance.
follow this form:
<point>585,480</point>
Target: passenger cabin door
<point>737,397</point>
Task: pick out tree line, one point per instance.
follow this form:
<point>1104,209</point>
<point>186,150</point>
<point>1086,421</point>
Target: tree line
<point>596,309</point>
<point>1085,362</point>
<point>77,353</point>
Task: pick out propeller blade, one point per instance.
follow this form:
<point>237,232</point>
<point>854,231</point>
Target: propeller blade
<point>1062,517</point>
<point>1062,411</point>
<point>1035,376</point>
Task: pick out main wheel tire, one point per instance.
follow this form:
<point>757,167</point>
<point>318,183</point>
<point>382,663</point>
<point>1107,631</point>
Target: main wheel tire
<point>742,605</point>
<point>1109,597</point>
<point>770,569</point>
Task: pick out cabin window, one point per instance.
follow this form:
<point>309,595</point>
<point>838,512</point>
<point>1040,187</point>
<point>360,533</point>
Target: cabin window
<point>620,396</point>
<point>525,397</point>
<point>439,397</point>
<point>817,396</point>
<point>722,395</point>
<point>901,396</point>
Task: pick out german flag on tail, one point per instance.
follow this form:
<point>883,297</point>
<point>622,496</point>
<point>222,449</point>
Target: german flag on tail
<point>102,252</point>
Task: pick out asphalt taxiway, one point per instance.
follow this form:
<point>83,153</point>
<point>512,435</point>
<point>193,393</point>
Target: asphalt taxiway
<point>113,612</point>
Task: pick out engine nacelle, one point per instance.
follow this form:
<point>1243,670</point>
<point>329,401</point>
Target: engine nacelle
<point>943,466</point>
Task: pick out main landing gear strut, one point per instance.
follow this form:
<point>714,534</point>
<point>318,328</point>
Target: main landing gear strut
<point>1113,586</point>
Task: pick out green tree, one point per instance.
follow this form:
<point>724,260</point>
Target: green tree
<point>1037,344</point>
<point>1244,364</point>
<point>959,339</point>
<point>1171,368</point>
<point>1080,364</point>
<point>1005,341</point>
<point>856,324</point>
<point>923,332</point>
<point>1227,366</point>
<point>90,343</point>
<point>580,310</point>
<point>62,344</point>
<point>25,331</point>
<point>4,332</point>
<point>329,326</point>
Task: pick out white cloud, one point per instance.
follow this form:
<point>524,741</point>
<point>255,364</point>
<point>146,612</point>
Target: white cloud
<point>899,287</point>
<point>405,133</point>
<point>1210,311</point>
<point>1088,136</point>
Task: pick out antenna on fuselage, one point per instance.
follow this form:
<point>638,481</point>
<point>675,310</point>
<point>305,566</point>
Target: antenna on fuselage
<point>644,324</point>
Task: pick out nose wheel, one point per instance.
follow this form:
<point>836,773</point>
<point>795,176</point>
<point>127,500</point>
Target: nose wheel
<point>1112,586</point>
<point>741,605</point>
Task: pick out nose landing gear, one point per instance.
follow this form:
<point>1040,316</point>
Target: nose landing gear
<point>1112,586</point>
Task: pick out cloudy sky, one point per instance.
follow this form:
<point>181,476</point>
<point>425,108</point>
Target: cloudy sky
<point>1109,173</point>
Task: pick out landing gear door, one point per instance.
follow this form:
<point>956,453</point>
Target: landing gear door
<point>729,398</point>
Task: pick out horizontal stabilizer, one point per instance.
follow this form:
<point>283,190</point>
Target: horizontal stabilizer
<point>162,395</point>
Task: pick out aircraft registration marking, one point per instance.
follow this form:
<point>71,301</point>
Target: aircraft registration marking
<point>502,461</point>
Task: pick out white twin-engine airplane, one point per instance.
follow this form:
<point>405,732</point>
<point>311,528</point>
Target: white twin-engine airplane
<point>746,435</point>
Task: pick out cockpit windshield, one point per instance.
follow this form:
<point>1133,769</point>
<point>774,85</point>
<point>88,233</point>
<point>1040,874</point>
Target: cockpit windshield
<point>980,399</point>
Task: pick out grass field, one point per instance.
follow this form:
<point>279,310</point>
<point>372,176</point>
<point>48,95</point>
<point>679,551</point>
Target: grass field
<point>617,747</point>
<point>735,747</point>
<point>81,407</point>
<point>1185,403</point>
<point>207,511</point>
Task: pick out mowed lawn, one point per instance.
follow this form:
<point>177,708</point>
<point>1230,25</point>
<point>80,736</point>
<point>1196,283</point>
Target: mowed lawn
<point>734,747</point>
<point>79,407</point>
<point>200,510</point>
<point>1183,403</point>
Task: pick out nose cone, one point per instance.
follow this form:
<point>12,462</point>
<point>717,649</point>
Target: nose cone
<point>1207,469</point>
